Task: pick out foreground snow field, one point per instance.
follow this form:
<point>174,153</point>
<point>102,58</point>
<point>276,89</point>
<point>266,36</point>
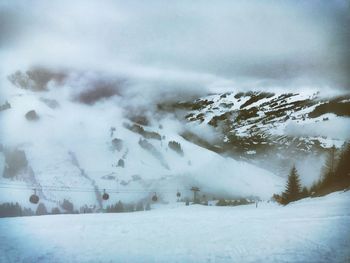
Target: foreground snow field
<point>311,230</point>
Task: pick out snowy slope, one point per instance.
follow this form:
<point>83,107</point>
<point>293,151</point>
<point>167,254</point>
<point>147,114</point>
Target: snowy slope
<point>272,114</point>
<point>310,230</point>
<point>272,130</point>
<point>70,146</point>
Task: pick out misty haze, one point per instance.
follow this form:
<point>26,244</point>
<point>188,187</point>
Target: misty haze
<point>174,131</point>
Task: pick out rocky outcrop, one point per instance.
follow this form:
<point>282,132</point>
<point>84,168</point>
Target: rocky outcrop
<point>35,79</point>
<point>5,106</point>
<point>32,115</point>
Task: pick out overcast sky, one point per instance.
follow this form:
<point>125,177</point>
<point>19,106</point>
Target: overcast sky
<point>178,46</point>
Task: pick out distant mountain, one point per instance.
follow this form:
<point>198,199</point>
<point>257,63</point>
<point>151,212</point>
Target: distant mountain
<point>69,149</point>
<point>71,141</point>
<point>265,126</point>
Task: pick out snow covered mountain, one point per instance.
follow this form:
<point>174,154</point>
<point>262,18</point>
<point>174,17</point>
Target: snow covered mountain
<point>57,139</point>
<point>72,135</point>
<point>262,127</point>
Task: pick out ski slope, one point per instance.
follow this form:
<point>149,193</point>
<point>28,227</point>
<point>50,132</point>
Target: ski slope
<point>66,150</point>
<point>310,230</point>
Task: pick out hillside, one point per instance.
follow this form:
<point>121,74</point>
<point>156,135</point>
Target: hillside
<point>72,135</point>
<point>264,126</point>
<point>69,149</point>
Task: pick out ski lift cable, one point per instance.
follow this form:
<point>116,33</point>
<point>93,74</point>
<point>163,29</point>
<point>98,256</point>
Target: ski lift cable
<point>66,187</point>
<point>72,189</point>
<point>59,188</point>
<point>69,187</point>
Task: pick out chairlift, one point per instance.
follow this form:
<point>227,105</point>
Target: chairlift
<point>105,196</point>
<point>34,199</point>
<point>178,194</point>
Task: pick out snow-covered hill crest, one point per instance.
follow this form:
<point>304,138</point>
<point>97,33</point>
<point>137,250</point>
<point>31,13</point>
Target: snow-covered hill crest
<point>52,140</point>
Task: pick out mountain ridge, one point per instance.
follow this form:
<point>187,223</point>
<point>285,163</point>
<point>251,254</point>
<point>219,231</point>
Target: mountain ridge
<point>221,142</point>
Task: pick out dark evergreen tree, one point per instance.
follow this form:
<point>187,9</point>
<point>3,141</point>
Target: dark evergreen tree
<point>304,193</point>
<point>293,187</point>
<point>121,163</point>
<point>328,179</point>
<point>41,210</point>
<point>336,172</point>
<point>342,171</point>
<point>116,208</point>
<point>10,210</point>
<point>277,198</point>
<point>139,206</point>
<point>314,188</point>
<point>68,206</point>
<point>27,212</point>
<point>85,210</point>
<point>129,208</point>
<point>175,146</point>
<point>55,211</point>
<point>119,208</point>
<point>117,144</point>
<point>108,209</point>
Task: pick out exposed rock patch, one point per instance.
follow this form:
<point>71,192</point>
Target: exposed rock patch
<point>32,115</point>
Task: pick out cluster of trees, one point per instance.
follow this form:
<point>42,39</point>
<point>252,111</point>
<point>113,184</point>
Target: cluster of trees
<point>14,209</point>
<point>66,207</point>
<point>11,209</point>
<point>140,130</point>
<point>176,147</point>
<point>117,144</point>
<point>120,207</point>
<point>335,177</point>
<point>241,201</point>
<point>336,172</point>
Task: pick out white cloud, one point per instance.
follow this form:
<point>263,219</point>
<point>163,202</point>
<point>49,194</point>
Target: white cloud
<point>337,128</point>
<point>166,45</point>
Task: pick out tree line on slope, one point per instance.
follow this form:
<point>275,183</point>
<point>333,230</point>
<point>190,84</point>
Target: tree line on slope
<point>66,207</point>
<point>335,176</point>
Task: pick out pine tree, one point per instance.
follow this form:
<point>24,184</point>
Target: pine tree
<point>293,187</point>
<point>329,169</point>
<point>304,193</point>
<point>68,206</point>
<point>342,170</point>
<point>139,206</point>
<point>119,208</point>
<point>328,182</point>
<point>41,210</point>
<point>55,211</point>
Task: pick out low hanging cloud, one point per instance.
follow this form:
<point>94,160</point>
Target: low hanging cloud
<point>338,128</point>
<point>179,48</point>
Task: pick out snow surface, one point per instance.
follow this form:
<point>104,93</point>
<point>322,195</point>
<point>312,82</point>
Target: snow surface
<point>310,230</point>
<point>84,130</point>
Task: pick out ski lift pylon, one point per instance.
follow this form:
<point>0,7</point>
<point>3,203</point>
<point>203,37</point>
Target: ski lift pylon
<point>105,196</point>
<point>155,197</point>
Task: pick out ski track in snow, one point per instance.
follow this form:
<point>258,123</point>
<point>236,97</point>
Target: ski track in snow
<point>310,230</point>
